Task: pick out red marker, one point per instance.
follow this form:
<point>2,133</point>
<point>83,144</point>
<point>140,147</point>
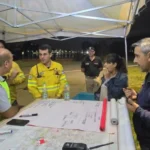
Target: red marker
<point>103,115</point>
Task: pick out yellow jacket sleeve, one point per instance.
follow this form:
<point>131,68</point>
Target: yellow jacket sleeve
<point>32,84</point>
<point>20,76</point>
<point>63,81</point>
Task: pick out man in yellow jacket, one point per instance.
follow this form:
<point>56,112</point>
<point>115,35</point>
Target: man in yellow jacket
<point>48,73</point>
<point>13,78</point>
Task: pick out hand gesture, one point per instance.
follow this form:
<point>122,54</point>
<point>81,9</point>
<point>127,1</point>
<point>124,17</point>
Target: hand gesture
<point>130,93</point>
<point>131,105</point>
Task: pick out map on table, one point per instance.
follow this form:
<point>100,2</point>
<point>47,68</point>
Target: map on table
<point>37,138</point>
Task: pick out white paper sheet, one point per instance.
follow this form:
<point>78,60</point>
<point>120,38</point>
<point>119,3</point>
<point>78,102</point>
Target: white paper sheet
<point>83,115</point>
<point>125,137</point>
<point>113,112</point>
<point>40,107</point>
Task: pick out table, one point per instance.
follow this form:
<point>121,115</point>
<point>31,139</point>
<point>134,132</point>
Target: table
<point>43,138</point>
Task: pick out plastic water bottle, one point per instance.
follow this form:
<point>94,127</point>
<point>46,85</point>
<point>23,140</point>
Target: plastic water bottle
<point>67,92</point>
<point>44,92</point>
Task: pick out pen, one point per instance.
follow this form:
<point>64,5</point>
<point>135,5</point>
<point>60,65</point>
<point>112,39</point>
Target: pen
<point>5,132</point>
<point>28,115</point>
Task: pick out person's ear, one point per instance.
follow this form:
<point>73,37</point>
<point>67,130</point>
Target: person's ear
<point>6,63</point>
<point>51,55</point>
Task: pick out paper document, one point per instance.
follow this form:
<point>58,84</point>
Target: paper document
<point>82,115</point>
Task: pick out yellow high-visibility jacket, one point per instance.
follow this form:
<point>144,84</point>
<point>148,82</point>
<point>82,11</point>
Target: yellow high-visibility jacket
<point>17,80</point>
<point>53,77</point>
<point>6,88</point>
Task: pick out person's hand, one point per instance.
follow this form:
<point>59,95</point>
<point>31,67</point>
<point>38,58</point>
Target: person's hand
<point>131,105</point>
<point>130,93</point>
<point>14,73</point>
<point>107,74</point>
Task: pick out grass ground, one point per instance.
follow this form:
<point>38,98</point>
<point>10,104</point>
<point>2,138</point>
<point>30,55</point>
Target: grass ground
<point>76,80</point>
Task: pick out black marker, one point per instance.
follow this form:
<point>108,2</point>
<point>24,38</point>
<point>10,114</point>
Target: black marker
<point>29,115</point>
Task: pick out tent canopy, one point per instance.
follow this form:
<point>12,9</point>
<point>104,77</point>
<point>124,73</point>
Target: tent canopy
<point>22,20</point>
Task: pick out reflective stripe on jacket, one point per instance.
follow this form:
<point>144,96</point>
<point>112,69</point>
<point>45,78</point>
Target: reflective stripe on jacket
<point>5,86</point>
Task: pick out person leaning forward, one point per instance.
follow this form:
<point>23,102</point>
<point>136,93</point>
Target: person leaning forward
<point>46,72</point>
<point>14,77</point>
<point>6,110</point>
<point>92,66</point>
<point>141,108</point>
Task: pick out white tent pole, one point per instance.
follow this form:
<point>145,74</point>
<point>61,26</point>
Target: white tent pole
<point>98,33</point>
<point>125,37</point>
<point>6,22</point>
<point>126,48</point>
<point>82,34</point>
<point>5,9</point>
<point>135,8</point>
<point>78,12</point>
<point>101,18</point>
<point>37,24</point>
<point>74,13</point>
<point>5,4</point>
<point>58,26</point>
<point>13,39</point>
<point>15,13</point>
<point>125,30</point>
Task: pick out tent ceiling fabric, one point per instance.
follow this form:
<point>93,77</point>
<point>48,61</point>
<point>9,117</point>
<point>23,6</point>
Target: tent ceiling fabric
<point>23,20</point>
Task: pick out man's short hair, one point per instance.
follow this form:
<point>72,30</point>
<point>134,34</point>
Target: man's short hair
<point>5,55</point>
<point>91,48</point>
<point>45,46</point>
<point>144,44</point>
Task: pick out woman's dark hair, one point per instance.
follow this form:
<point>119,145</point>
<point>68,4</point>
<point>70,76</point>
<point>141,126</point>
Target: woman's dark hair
<point>114,58</point>
<point>3,42</point>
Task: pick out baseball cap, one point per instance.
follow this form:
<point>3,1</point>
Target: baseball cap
<point>91,48</point>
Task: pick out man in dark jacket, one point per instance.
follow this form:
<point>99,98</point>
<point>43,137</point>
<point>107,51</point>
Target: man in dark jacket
<point>141,109</point>
<point>91,66</point>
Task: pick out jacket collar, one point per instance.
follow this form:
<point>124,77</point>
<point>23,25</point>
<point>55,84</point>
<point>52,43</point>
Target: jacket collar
<point>117,75</point>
